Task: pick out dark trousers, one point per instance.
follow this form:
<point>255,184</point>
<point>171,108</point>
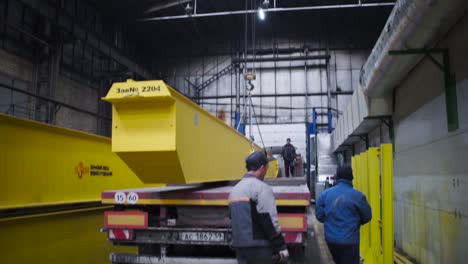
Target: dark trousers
<point>254,255</point>
<point>289,165</point>
<point>344,254</point>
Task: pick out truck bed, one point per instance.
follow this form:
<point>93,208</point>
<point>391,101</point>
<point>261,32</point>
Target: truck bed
<point>161,221</point>
<point>199,195</point>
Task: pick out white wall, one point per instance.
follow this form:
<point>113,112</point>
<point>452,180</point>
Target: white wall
<point>282,78</point>
<point>430,168</point>
<point>430,163</point>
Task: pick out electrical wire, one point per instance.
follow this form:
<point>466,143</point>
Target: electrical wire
<point>258,126</point>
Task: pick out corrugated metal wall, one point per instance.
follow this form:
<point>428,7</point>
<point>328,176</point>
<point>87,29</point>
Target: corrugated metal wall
<point>279,87</point>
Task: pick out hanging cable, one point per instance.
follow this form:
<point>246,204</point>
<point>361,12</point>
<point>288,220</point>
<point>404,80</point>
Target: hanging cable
<point>254,47</point>
<point>258,126</point>
<point>245,34</point>
<point>248,85</point>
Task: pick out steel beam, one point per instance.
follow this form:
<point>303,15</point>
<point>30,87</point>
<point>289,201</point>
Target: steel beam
<point>104,47</point>
<point>279,95</point>
<point>449,80</point>
<point>270,10</point>
<point>42,233</point>
<point>294,58</point>
<point>70,176</point>
<point>166,5</point>
<point>309,66</point>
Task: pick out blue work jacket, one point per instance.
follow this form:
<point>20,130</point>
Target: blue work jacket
<point>343,210</point>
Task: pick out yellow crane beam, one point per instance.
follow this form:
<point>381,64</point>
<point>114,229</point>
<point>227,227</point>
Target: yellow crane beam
<point>43,165</point>
<point>166,138</point>
<point>60,237</point>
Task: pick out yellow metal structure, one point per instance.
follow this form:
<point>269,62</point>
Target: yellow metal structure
<point>125,219</point>
<point>71,237</point>
<point>44,165</point>
<point>166,138</point>
<point>386,167</point>
<point>373,172</point>
<point>292,221</point>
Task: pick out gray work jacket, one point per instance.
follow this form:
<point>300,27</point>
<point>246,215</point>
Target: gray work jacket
<point>252,208</point>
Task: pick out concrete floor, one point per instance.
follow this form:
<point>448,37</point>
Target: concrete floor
<point>316,250</point>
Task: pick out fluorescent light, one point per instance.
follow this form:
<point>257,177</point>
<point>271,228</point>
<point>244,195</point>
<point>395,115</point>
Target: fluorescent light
<point>261,13</point>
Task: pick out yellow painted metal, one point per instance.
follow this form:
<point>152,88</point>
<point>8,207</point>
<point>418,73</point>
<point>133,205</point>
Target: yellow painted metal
<point>291,221</point>
<point>358,184</point>
<point>365,187</point>
<point>133,220</point>
<point>373,172</point>
<point>387,202</point>
<point>166,138</point>
<point>46,165</point>
<point>65,237</point>
<point>374,201</point>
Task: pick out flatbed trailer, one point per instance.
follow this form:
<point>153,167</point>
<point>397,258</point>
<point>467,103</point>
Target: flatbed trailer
<point>177,224</point>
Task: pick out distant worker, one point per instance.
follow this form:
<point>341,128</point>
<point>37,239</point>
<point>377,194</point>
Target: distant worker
<point>298,166</point>
<point>333,180</point>
<point>256,233</point>
<point>343,210</point>
<point>289,154</point>
<point>327,182</point>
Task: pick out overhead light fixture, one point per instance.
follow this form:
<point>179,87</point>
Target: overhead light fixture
<point>188,9</point>
<point>261,13</point>
<point>266,4</point>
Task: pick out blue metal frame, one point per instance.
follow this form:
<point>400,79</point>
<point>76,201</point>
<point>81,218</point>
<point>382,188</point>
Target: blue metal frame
<point>241,127</point>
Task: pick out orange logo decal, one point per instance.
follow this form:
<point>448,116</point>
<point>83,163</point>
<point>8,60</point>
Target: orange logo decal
<point>80,170</point>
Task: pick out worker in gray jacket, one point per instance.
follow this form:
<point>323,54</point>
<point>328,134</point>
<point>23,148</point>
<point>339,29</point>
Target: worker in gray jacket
<point>256,233</point>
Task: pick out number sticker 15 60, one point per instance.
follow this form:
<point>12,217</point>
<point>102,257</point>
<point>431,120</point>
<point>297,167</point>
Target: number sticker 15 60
<point>121,198</point>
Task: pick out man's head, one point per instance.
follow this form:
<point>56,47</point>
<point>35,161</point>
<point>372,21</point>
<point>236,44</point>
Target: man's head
<point>344,172</point>
<point>288,140</point>
<point>257,163</point>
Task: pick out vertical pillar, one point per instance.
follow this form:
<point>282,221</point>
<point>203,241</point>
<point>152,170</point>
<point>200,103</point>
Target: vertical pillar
<point>386,156</point>
<point>374,201</point>
<point>450,95</point>
<point>365,186</point>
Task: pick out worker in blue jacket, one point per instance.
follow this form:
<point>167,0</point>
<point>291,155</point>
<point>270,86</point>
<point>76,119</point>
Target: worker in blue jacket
<point>343,210</point>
